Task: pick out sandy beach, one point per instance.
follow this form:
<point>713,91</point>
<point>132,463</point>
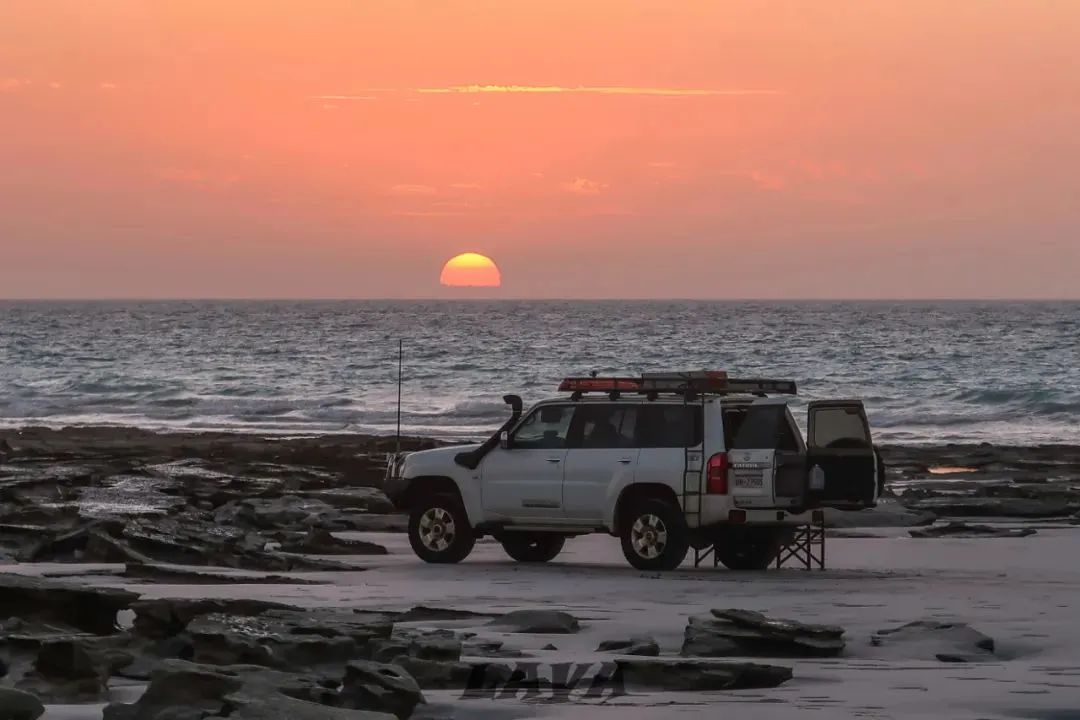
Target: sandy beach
<point>73,514</point>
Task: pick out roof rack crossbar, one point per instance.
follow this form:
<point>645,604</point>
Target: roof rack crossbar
<point>679,384</point>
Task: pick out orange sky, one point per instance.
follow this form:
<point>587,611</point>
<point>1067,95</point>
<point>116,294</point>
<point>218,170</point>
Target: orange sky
<point>348,148</point>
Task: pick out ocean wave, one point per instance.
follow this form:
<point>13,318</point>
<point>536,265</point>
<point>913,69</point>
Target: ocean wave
<point>966,372</point>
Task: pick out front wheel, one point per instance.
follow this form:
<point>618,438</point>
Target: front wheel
<point>532,547</point>
<point>654,536</point>
<point>439,530</point>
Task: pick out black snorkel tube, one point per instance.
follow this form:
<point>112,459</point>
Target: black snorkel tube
<point>472,458</point>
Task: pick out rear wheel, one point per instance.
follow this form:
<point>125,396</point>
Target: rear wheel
<point>751,550</point>
<point>439,530</point>
<point>532,547</point>
<point>654,536</point>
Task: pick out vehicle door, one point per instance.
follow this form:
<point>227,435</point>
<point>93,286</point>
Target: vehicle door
<point>602,458</point>
<point>523,481</point>
<point>840,455</point>
<point>671,444</point>
<point>767,458</point>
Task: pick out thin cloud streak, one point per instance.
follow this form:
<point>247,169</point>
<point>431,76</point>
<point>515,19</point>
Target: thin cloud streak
<point>553,90</point>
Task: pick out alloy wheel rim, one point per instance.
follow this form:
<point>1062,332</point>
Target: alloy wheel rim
<point>437,529</point>
<point>649,536</point>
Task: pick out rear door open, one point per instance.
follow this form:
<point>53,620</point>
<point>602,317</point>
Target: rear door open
<point>841,463</point>
<point>767,459</point>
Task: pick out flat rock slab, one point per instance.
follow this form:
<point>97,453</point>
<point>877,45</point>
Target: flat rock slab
<point>380,687</point>
<point>180,690</point>
<point>963,530</point>
<point>993,507</point>
<point>539,622</point>
<point>932,639</point>
<point>425,613</point>
<point>281,707</point>
<point>90,610</point>
<point>165,617</point>
<point>287,639</point>
<point>178,575</point>
<point>640,645</point>
<point>698,675</point>
<point>19,705</point>
<point>746,633</point>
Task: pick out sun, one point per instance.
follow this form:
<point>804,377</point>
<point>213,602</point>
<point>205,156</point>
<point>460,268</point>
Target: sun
<point>471,270</point>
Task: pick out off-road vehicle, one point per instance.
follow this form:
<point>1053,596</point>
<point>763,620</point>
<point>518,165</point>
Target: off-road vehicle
<point>664,461</point>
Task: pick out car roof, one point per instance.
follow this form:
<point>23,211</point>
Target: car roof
<point>662,400</point>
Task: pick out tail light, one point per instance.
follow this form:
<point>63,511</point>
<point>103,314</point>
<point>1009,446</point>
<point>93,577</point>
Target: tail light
<point>716,482</point>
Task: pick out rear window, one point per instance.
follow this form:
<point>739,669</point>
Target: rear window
<point>839,427</point>
<point>765,426</point>
<point>669,426</point>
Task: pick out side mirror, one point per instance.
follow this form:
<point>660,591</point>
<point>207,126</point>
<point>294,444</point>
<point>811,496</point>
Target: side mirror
<point>504,440</point>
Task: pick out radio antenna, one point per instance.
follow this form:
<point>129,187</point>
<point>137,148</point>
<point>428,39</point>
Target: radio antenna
<point>400,363</point>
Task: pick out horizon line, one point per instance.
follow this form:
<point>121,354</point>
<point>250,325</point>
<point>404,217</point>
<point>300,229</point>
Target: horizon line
<point>421,298</point>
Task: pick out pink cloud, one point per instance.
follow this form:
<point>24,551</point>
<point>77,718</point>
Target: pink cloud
<point>12,84</point>
<point>584,186</point>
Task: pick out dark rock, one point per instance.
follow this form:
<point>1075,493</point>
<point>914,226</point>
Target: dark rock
<point>75,669</point>
<point>362,499</point>
<point>91,610</point>
<point>959,506</point>
<point>380,687</point>
<point>888,513</point>
<point>286,639</point>
<point>181,690</point>
<point>321,542</point>
<point>746,633</point>
<point>697,675</point>
<point>963,530</point>
<point>423,613</point>
<point>19,705</point>
<point>540,622</point>
<point>638,645</point>
<point>241,706</point>
<point>166,617</point>
<point>491,649</point>
<point>185,576</point>
<point>289,511</point>
<point>926,639</point>
<point>438,645</point>
<point>439,675</point>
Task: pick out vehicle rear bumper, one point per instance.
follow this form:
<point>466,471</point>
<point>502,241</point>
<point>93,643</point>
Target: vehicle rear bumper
<point>742,516</point>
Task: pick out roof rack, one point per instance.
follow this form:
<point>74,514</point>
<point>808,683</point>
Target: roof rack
<point>704,382</point>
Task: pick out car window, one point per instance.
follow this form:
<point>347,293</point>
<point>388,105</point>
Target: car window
<point>546,427</point>
<point>670,426</point>
<point>839,427</point>
<point>761,428</point>
<point>604,426</point>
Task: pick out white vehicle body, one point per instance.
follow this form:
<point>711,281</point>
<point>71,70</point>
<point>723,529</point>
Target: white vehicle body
<point>569,465</point>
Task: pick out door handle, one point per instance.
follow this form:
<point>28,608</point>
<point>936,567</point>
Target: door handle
<point>554,460</point>
<point>625,461</point>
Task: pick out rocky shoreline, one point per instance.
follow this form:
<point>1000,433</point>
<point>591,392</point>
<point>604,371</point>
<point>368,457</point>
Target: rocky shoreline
<point>138,509</point>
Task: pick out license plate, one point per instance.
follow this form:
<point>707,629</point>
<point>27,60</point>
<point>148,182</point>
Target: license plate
<point>749,481</point>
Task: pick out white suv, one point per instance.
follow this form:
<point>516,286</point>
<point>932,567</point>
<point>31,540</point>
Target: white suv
<point>664,462</point>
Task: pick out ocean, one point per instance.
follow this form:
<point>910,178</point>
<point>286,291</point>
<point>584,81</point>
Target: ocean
<point>929,372</point>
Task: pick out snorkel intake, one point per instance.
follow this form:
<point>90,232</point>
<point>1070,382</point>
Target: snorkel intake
<point>472,458</point>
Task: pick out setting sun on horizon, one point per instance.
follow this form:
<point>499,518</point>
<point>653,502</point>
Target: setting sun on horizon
<point>470,270</point>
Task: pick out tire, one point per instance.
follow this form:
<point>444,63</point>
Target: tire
<point>749,551</point>
<point>654,536</point>
<point>439,530</point>
<point>532,547</point>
